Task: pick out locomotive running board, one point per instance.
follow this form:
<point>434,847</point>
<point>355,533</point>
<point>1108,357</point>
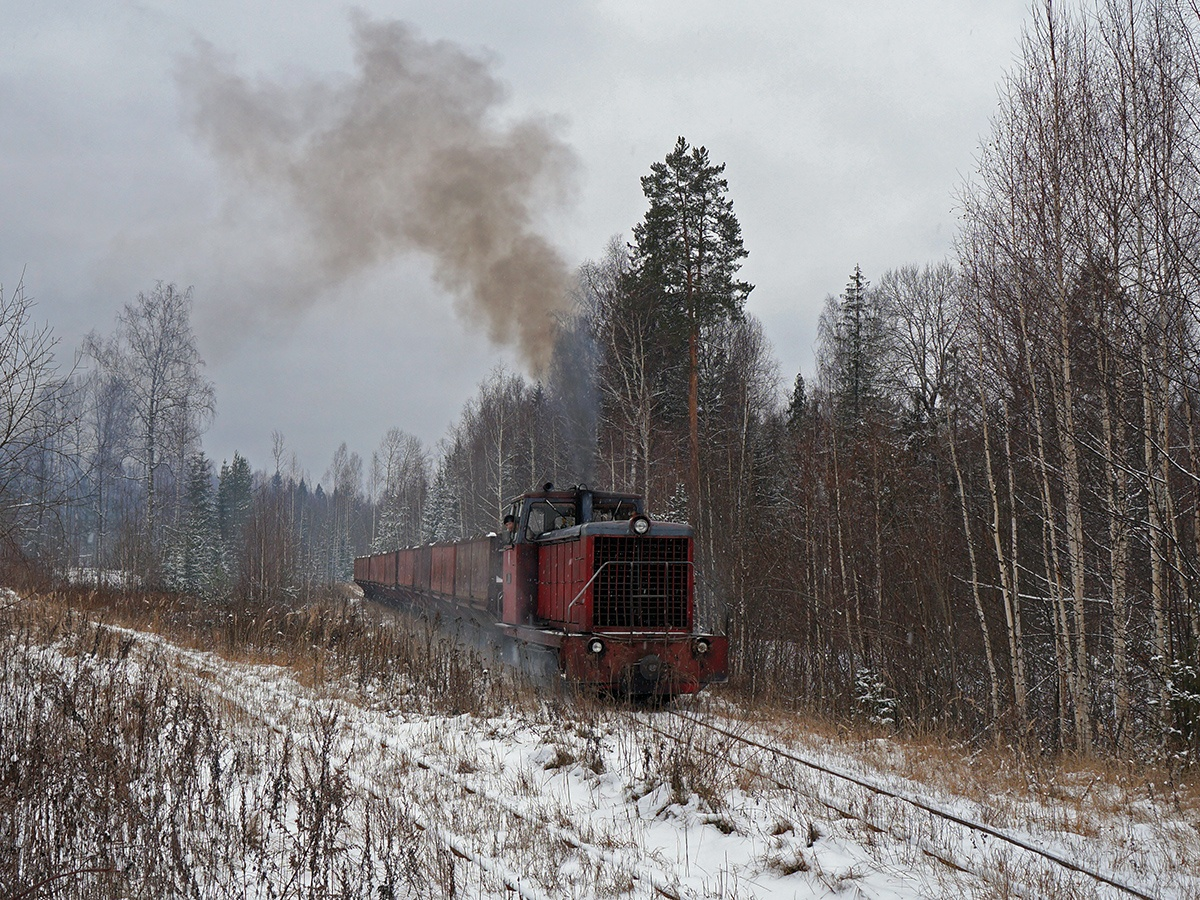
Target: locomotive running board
<point>534,635</point>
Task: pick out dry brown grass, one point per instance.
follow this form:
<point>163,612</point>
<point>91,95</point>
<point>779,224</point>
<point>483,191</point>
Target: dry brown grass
<point>1081,788</point>
<point>1147,815</point>
<point>1093,785</point>
<point>337,643</point>
<point>123,776</point>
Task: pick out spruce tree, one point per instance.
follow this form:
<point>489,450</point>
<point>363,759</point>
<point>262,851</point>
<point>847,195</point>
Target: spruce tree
<point>441,521</point>
<point>853,350</point>
<point>234,495</point>
<point>854,325</point>
<point>196,550</point>
<point>798,409</point>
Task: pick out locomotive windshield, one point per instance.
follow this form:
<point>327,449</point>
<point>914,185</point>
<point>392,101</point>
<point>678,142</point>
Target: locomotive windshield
<point>545,515</point>
<point>615,510</point>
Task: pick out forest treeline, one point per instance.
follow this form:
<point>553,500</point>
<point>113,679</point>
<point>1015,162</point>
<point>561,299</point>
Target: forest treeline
<point>981,511</point>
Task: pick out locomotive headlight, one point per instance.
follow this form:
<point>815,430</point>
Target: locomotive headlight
<point>640,525</point>
<point>596,646</point>
<point>700,646</point>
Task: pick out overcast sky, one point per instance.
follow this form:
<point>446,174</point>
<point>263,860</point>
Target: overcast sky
<point>846,129</point>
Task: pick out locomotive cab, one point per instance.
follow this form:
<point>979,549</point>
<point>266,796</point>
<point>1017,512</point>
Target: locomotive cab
<point>538,515</point>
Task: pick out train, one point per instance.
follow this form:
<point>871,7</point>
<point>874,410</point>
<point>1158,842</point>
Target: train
<point>582,580</point>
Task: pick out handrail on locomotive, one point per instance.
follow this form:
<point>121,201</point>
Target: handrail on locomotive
<point>619,562</point>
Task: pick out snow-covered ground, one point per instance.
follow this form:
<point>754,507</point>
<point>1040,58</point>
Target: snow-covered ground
<point>340,784</point>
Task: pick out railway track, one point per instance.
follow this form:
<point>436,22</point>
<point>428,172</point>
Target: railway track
<point>444,814</point>
<point>277,704</point>
<point>942,854</point>
<point>658,880</point>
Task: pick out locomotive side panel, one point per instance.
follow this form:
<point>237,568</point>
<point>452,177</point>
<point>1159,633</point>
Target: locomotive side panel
<point>562,589</point>
<point>519,603</point>
<point>546,606</point>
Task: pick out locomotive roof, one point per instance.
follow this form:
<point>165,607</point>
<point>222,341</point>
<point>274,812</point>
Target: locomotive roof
<point>573,492</point>
<point>615,529</point>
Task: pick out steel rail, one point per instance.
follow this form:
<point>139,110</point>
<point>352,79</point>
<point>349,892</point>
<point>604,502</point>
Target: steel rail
<point>980,827</point>
<point>923,845</point>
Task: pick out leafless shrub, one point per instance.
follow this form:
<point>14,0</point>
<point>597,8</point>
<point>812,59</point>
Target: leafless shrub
<point>787,861</point>
<point>691,763</point>
<point>562,758</point>
<point>380,657</point>
<point>105,764</point>
<point>119,776</point>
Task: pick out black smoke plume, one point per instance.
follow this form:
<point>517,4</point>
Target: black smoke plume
<point>407,155</point>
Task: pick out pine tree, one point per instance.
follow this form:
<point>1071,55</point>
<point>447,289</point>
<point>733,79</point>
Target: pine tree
<point>687,251</point>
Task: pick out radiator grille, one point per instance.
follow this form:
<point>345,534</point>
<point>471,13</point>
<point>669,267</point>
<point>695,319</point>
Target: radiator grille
<point>640,583</point>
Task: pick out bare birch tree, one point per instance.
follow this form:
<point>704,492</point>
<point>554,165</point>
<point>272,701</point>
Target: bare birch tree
<point>154,356</point>
<point>30,413</point>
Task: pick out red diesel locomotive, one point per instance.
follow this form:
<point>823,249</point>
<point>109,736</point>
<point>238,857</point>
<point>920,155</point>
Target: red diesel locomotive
<point>582,576</point>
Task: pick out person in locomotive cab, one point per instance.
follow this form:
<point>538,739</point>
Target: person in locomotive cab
<point>510,528</point>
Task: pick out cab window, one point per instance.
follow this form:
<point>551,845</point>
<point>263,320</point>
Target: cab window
<point>545,516</point>
<point>613,510</point>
